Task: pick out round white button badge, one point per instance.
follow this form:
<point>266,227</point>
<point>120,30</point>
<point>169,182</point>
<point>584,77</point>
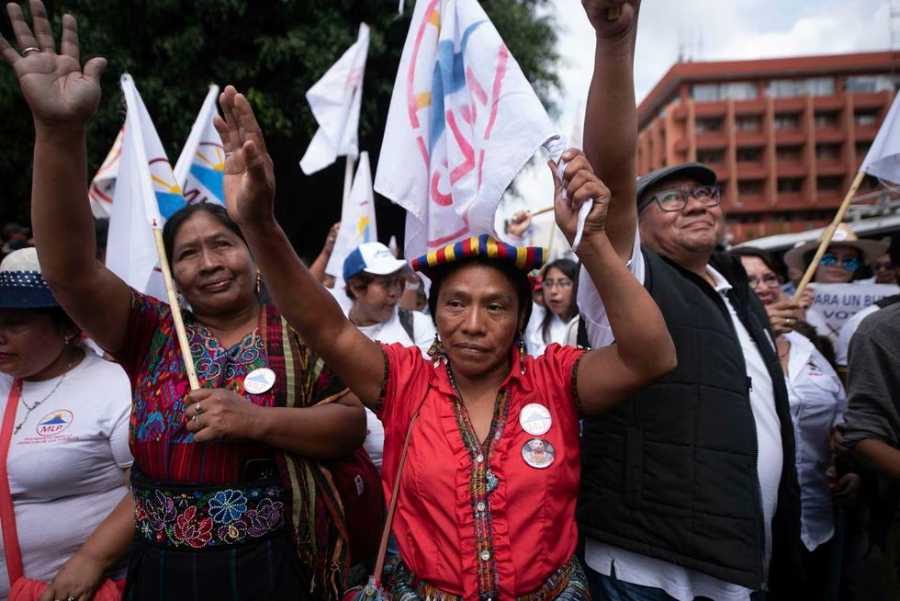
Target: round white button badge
<point>259,380</point>
<point>535,419</point>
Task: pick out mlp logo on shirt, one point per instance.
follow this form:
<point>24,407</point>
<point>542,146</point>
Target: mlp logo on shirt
<point>54,423</point>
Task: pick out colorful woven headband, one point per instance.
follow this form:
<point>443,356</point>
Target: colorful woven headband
<point>525,258</point>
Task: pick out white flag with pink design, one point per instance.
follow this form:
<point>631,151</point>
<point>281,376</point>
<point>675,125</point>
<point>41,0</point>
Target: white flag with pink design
<point>463,121</point>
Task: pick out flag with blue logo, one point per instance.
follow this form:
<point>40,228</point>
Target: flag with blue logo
<point>146,194</point>
<point>200,170</point>
<point>463,121</point>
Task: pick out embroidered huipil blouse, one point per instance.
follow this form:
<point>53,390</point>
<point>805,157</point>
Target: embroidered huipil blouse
<point>479,521</point>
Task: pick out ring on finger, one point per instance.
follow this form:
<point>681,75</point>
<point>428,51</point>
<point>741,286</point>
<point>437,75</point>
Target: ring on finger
<point>30,50</point>
<point>71,598</point>
<point>199,410</point>
<point>195,417</point>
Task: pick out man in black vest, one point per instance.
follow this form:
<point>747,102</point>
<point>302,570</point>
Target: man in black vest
<point>689,489</point>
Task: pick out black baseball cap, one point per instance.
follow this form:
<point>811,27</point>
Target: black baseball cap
<point>696,171</point>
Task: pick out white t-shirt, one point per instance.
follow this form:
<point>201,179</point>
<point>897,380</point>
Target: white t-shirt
<point>561,332</point>
<point>677,581</point>
<point>389,332</point>
<point>66,462</point>
<point>842,347</point>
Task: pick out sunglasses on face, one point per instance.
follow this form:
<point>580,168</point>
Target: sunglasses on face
<point>675,199</point>
<point>770,280</point>
<point>848,263</point>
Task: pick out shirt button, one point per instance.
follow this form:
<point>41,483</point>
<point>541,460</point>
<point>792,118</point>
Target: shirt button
<point>485,555</point>
<point>480,506</point>
<point>479,458</point>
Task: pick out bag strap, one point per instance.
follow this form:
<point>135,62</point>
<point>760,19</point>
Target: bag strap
<point>395,493</point>
<point>11,549</point>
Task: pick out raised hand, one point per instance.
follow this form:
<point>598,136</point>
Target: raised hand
<point>612,18</point>
<point>54,85</point>
<point>249,173</point>
<point>579,186</point>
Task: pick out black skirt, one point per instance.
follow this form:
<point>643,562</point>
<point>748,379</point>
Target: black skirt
<point>265,570</point>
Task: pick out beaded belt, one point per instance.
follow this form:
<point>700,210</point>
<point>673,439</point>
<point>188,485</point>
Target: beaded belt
<point>568,583</point>
<point>193,518</point>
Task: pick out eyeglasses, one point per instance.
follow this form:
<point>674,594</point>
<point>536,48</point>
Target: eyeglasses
<point>769,280</point>
<point>562,284</point>
<point>676,199</point>
<point>849,263</point>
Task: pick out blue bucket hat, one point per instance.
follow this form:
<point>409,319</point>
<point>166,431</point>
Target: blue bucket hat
<point>21,284</point>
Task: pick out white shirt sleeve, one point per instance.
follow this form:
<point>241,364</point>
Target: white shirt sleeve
<point>591,306</point>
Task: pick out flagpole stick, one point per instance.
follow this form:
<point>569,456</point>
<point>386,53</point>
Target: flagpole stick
<point>542,211</point>
<point>186,356</point>
<point>348,177</point>
<point>828,234</point>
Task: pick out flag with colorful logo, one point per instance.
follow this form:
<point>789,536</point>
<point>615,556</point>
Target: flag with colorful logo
<point>335,101</point>
<point>463,121</point>
<point>200,170</point>
<point>103,186</point>
<point>146,194</point>
<point>357,218</point>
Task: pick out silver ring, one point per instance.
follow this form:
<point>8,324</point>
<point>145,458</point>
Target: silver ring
<point>71,598</point>
<point>199,410</point>
<point>195,417</point>
<point>26,52</point>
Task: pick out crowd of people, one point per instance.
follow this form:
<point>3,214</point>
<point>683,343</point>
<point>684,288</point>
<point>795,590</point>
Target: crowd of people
<point>652,418</point>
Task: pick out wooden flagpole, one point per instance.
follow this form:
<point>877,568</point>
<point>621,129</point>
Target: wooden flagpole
<point>828,234</point>
<point>176,310</point>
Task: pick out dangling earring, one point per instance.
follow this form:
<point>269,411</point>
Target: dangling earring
<point>522,353</point>
<point>436,350</point>
<point>67,339</point>
<point>258,284</point>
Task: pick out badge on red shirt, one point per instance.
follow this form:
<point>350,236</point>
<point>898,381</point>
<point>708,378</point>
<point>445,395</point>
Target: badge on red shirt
<point>535,419</point>
<point>538,453</point>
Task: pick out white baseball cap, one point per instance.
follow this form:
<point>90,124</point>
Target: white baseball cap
<point>371,257</point>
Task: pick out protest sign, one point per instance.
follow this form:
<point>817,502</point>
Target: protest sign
<point>836,303</point>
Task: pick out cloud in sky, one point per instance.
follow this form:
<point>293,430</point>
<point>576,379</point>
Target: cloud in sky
<point>708,30</point>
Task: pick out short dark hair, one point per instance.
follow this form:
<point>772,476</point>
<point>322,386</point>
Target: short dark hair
<point>762,255</point>
<point>59,317</point>
<point>516,277</point>
<point>362,279</point>
<point>174,223</point>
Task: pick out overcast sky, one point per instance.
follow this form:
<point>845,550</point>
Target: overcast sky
<point>708,30</point>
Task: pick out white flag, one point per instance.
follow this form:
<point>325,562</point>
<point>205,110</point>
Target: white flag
<point>200,169</point>
<point>103,185</point>
<point>463,121</point>
<point>146,194</point>
<point>335,101</point>
<point>883,158</point>
<point>357,218</point>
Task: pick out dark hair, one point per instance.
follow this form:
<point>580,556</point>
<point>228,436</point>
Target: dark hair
<point>362,279</point>
<point>570,270</point>
<point>516,277</point>
<point>59,317</point>
<point>762,255</point>
<point>174,223</point>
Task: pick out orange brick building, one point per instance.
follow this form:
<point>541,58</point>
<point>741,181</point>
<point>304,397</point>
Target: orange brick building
<point>785,136</point>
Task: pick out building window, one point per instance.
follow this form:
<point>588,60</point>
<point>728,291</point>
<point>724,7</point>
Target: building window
<point>829,183</point>
<point>709,124</point>
<point>748,123</point>
<point>828,152</point>
<point>827,119</point>
<point>749,155</point>
<point>736,90</point>
<point>750,187</point>
<point>711,156</point>
<point>787,121</point>
<point>811,86</point>
<point>790,185</point>
<point>866,118</point>
<point>789,153</point>
<point>870,83</point>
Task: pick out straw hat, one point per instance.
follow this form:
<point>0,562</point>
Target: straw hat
<point>843,236</point>
<point>21,284</point>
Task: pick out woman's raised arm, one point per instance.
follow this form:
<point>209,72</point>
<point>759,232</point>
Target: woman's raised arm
<point>307,306</point>
<point>63,97</point>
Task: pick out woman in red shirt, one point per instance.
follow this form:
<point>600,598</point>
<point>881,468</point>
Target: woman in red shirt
<point>487,497</point>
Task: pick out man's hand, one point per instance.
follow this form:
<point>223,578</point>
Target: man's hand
<point>612,19</point>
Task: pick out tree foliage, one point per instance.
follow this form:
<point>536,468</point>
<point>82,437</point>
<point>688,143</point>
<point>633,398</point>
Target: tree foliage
<point>273,51</point>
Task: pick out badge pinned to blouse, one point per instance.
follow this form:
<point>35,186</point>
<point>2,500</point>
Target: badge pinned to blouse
<point>535,419</point>
<point>259,380</point>
<point>538,453</point>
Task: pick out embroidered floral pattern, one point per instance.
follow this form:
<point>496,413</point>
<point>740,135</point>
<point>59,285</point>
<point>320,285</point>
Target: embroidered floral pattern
<point>207,517</point>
